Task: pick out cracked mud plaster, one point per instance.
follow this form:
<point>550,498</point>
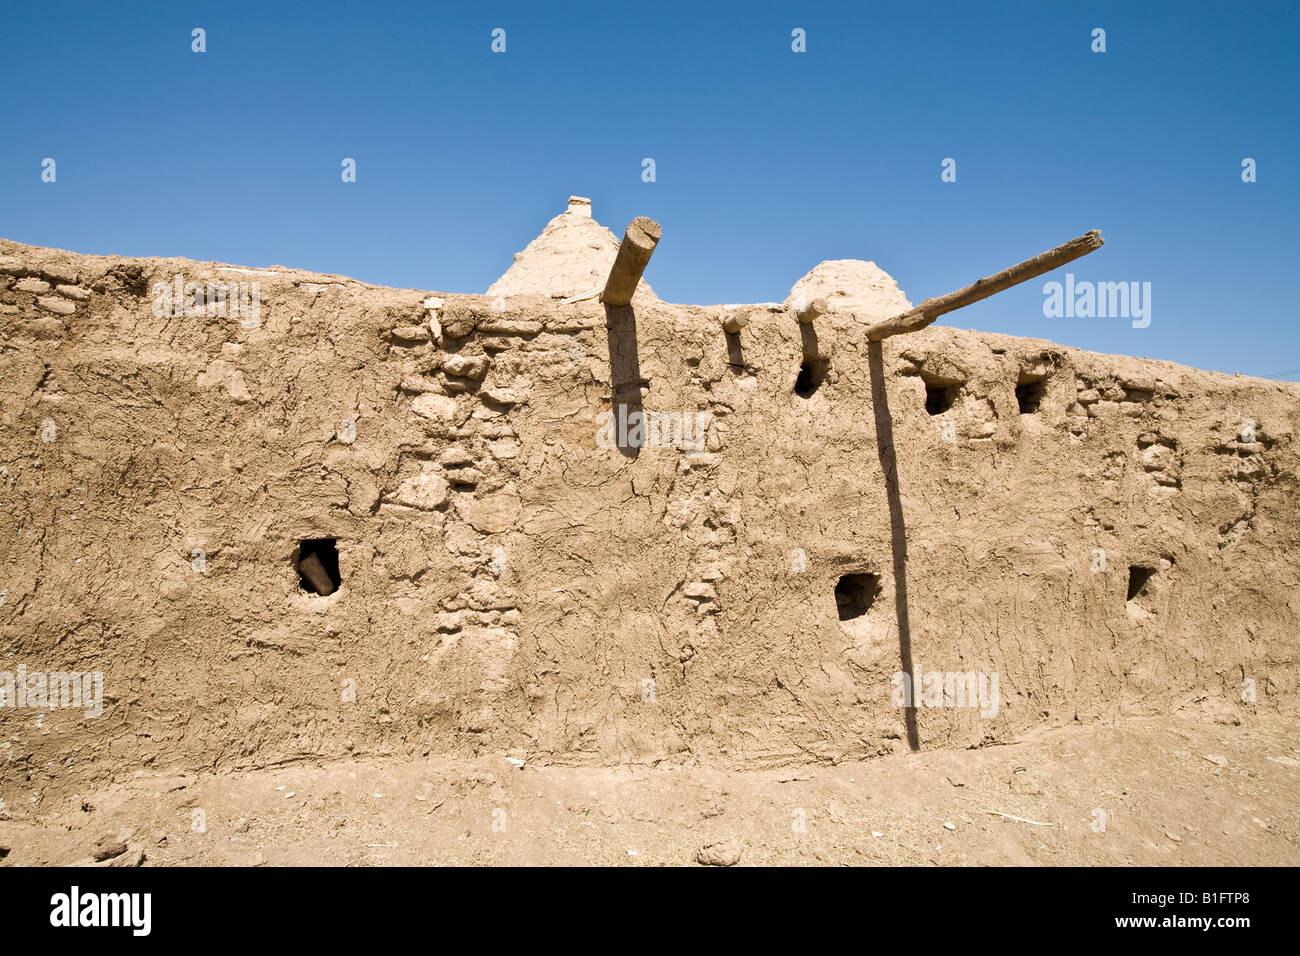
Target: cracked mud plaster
<point>510,585</point>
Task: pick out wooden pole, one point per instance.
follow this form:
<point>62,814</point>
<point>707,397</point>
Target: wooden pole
<point>931,309</point>
<point>733,322</point>
<point>813,309</point>
<point>633,254</point>
<point>316,575</point>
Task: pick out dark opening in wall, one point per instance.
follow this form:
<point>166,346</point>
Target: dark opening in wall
<point>318,566</point>
<point>855,593</point>
<point>1030,394</point>
<point>939,396</point>
<point>1138,577</point>
<point>811,375</point>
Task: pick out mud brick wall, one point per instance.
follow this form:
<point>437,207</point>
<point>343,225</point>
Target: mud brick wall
<point>509,583</point>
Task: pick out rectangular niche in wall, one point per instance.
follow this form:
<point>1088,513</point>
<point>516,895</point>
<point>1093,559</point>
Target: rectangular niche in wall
<point>940,393</point>
<point>318,566</point>
<point>811,375</point>
<point>855,594</point>
<point>1138,579</point>
<point>1030,393</point>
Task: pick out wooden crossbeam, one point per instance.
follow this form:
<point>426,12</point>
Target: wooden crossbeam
<point>931,309</point>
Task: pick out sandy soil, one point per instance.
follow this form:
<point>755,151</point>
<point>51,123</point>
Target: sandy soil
<point>1173,791</point>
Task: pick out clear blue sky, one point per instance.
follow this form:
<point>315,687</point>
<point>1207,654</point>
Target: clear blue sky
<point>768,161</point>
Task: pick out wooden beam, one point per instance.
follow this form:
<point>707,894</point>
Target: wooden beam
<point>314,571</point>
<point>813,309</point>
<point>633,254</point>
<point>735,320</point>
<point>931,309</point>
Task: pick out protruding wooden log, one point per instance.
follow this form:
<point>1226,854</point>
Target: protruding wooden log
<point>734,321</point>
<point>813,309</point>
<point>316,575</point>
<point>633,254</point>
<point>931,309</point>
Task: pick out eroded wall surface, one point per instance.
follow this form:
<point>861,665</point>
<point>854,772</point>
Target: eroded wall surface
<point>512,583</point>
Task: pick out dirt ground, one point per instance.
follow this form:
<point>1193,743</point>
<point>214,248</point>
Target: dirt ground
<point>1146,791</point>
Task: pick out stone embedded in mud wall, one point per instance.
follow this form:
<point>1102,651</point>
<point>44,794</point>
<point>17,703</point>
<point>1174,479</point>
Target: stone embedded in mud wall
<point>808,517</point>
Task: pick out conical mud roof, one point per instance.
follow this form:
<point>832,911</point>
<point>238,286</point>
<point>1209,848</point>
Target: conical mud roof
<point>571,256</point>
